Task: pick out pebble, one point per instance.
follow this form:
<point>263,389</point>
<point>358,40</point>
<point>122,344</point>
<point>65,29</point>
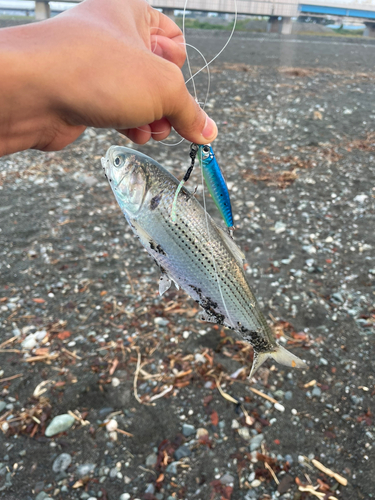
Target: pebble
<point>280,227</point>
<point>188,430</point>
<point>235,424</point>
<point>288,395</point>
<point>316,391</point>
<point>256,441</point>
<point>172,468</point>
<point>111,425</point>
<point>227,479</point>
<point>150,489</point>
<point>255,483</point>
<point>62,462</point>
<point>59,424</point>
<point>115,382</point>
<point>125,496</point>
<point>151,460</point>
<point>85,469</point>
<point>279,407</point>
<point>29,342</point>
<point>161,321</point>
<point>182,452</point>
<point>2,405</point>
<point>244,433</point>
<point>43,496</point>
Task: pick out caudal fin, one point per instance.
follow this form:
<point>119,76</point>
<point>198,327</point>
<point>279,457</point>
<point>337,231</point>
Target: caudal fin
<point>281,355</point>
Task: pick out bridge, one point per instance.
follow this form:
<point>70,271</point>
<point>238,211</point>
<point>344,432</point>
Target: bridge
<point>279,12</point>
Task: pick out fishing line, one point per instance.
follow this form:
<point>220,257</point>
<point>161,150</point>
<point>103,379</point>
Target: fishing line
<point>213,256</point>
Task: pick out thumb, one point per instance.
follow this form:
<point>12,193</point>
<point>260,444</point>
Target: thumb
<point>184,113</point>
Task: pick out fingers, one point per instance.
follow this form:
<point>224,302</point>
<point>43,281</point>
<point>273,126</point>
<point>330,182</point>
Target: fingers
<point>183,112</point>
<point>166,38</point>
<point>160,129</point>
<point>172,50</point>
<point>139,135</point>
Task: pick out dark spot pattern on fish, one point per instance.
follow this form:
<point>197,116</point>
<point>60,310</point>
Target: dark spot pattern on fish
<point>254,338</point>
<point>154,203</point>
<point>157,248</point>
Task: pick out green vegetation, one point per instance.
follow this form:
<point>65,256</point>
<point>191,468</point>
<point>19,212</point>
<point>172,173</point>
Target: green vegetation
<point>342,31</point>
<point>203,25</point>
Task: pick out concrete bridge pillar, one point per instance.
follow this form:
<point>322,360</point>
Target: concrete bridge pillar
<point>169,12</point>
<point>273,24</point>
<point>369,30</point>
<point>42,11</point>
<point>286,26</point>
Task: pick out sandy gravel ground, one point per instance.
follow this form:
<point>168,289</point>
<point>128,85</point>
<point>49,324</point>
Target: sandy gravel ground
<point>84,333</point>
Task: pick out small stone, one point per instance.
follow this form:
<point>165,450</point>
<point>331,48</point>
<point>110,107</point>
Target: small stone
<point>255,483</point>
<point>92,498</point>
<point>172,468</point>
<point>115,382</point>
<point>316,391</point>
<point>280,227</point>
<point>59,424</point>
<point>256,441</point>
<point>161,321</point>
<point>288,395</point>
<point>29,342</point>
<point>62,462</point>
<point>85,470</point>
<point>111,425</point>
<point>2,405</point>
<point>150,489</point>
<point>182,452</point>
<point>323,361</point>
<point>151,460</point>
<point>279,407</point>
<point>42,496</point>
<point>289,458</point>
<point>84,496</point>
<point>235,424</point>
<point>125,496</point>
<point>22,453</point>
<point>227,479</point>
<point>360,198</point>
<point>244,433</point>
<point>188,430</point>
<point>103,412</point>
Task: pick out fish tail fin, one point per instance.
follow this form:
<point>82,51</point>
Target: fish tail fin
<point>284,357</point>
<point>258,359</point>
<point>281,355</point>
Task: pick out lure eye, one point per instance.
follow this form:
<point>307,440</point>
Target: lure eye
<point>206,149</point>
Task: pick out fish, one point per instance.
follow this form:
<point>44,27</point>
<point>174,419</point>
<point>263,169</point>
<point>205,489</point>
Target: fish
<point>216,183</point>
<point>192,250</point>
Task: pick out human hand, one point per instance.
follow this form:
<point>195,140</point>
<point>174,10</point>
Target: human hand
<point>113,64</point>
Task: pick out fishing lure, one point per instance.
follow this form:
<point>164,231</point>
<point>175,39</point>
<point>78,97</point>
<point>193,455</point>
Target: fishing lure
<point>216,183</point>
<point>214,180</point>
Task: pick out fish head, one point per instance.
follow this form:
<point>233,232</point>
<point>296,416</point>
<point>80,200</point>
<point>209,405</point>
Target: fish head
<point>126,174</point>
<point>205,153</point>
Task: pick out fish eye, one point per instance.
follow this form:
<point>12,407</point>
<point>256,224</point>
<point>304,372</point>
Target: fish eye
<point>206,149</point>
<point>118,160</point>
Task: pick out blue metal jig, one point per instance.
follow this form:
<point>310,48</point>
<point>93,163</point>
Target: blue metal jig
<point>216,183</point>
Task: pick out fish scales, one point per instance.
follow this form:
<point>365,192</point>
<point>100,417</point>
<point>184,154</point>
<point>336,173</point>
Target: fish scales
<point>191,249</point>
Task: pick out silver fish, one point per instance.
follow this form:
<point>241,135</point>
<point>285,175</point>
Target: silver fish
<point>192,250</point>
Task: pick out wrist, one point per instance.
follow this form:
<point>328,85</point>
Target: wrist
<point>23,99</point>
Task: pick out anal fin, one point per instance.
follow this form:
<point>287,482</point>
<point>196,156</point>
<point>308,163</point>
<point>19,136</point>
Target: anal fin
<point>164,283</point>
